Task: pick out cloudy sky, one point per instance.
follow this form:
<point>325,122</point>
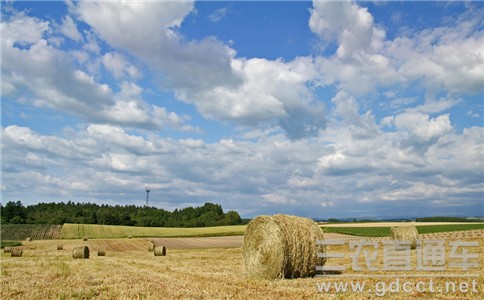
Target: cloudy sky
<point>320,109</point>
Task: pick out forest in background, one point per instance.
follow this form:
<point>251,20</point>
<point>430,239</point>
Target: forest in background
<point>130,215</point>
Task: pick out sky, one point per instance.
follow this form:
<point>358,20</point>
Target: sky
<point>324,109</point>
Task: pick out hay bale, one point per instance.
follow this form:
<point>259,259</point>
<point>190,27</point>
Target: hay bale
<point>101,252</point>
<point>151,248</point>
<point>60,247</point>
<point>29,239</point>
<point>282,246</point>
<point>80,252</point>
<point>160,251</point>
<point>16,252</point>
<point>84,239</point>
<point>7,250</point>
<point>405,234</point>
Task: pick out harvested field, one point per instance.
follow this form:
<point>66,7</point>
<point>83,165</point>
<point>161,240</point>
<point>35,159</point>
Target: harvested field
<point>200,242</point>
<point>187,274</point>
<point>90,231</point>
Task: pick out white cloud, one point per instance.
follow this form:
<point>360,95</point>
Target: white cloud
<point>347,23</point>
<point>218,14</point>
<point>52,80</point>
<point>335,170</point>
<point>206,73</point>
<point>69,29</point>
<point>119,66</point>
<point>22,29</point>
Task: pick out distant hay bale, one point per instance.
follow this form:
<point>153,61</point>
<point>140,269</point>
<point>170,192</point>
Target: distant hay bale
<point>16,252</point>
<point>405,234</point>
<point>29,239</point>
<point>84,239</point>
<point>60,247</point>
<point>101,252</point>
<point>159,250</point>
<point>80,252</point>
<point>151,248</point>
<point>7,250</point>
<point>282,246</point>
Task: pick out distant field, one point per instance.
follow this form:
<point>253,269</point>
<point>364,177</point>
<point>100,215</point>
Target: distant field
<point>19,232</point>
<point>77,231</point>
<point>385,231</point>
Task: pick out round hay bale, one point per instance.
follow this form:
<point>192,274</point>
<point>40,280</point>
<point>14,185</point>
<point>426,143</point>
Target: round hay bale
<point>160,251</point>
<point>60,247</point>
<point>282,246</point>
<point>151,248</point>
<point>80,252</point>
<point>16,252</point>
<point>29,239</point>
<point>405,234</point>
<point>84,239</point>
<point>7,250</point>
<point>101,252</point>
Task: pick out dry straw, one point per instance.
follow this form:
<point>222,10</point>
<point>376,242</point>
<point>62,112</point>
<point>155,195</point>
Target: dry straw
<point>60,247</point>
<point>7,249</point>
<point>80,252</point>
<point>282,246</point>
<point>159,250</point>
<point>101,252</point>
<point>16,252</point>
<point>407,234</point>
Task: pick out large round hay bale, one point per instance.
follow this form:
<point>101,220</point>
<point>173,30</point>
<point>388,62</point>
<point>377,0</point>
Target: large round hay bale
<point>7,249</point>
<point>80,252</point>
<point>16,252</point>
<point>101,252</point>
<point>405,234</point>
<point>60,247</point>
<point>159,250</point>
<point>29,239</point>
<point>282,246</point>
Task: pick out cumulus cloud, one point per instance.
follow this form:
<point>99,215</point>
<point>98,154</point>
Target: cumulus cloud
<point>447,58</point>
<point>69,29</point>
<point>355,162</point>
<point>46,77</point>
<point>206,73</point>
<point>345,22</point>
<point>253,175</point>
<point>119,66</point>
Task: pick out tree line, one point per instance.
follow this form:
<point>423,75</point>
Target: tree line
<point>130,215</point>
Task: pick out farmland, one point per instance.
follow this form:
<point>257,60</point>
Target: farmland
<point>382,231</point>
<point>78,231</point>
<point>19,232</point>
<point>129,271</point>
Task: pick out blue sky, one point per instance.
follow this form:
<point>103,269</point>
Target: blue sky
<point>320,109</point>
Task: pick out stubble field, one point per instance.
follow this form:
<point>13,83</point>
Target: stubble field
<point>129,271</point>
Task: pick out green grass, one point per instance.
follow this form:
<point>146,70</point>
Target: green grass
<point>4,244</point>
<point>385,231</point>
<point>360,231</point>
<point>77,231</point>
<point>448,228</point>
